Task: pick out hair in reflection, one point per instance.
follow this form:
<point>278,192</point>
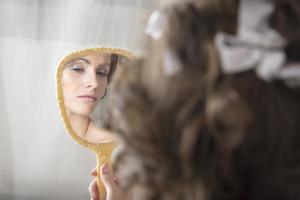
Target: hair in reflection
<point>199,133</point>
<point>113,66</point>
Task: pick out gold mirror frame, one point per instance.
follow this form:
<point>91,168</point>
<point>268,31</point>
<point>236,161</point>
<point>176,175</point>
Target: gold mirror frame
<point>102,150</point>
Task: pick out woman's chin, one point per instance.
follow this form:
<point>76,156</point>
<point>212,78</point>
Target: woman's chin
<point>82,113</point>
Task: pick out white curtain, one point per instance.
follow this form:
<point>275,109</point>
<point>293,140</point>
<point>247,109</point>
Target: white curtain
<point>38,160</point>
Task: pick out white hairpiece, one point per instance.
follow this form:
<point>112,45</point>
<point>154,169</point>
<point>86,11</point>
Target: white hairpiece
<point>257,46</point>
<point>156,28</point>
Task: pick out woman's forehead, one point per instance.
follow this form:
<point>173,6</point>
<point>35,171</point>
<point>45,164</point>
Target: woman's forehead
<point>98,56</point>
<point>94,58</point>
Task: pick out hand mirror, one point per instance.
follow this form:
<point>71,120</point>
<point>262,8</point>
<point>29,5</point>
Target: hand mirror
<point>83,78</point>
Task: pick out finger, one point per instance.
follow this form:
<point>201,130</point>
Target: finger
<point>107,178</point>
<point>94,172</point>
<point>93,190</point>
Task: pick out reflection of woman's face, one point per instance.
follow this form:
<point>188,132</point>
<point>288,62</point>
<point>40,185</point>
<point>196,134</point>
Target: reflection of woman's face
<point>84,81</point>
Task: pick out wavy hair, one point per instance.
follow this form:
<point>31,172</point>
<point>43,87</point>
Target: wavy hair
<point>199,133</point>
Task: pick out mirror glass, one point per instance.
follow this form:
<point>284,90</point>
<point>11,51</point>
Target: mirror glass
<point>84,79</point>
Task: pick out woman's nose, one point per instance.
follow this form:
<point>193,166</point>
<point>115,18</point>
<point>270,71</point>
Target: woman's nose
<point>91,81</point>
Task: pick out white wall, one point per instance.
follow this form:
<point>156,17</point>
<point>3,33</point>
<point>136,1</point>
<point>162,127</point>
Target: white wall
<point>38,160</point>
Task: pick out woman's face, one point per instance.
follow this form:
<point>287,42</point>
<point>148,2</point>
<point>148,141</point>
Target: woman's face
<point>84,81</point>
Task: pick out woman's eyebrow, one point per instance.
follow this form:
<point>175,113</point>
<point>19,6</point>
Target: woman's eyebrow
<point>103,65</point>
<point>82,59</point>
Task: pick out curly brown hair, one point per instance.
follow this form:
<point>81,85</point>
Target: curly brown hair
<point>112,67</point>
<point>199,133</point>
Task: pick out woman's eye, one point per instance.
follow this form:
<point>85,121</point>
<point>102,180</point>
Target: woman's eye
<point>77,68</point>
<point>102,73</point>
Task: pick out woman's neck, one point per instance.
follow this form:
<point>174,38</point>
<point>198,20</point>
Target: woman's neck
<point>79,123</point>
<point>96,134</point>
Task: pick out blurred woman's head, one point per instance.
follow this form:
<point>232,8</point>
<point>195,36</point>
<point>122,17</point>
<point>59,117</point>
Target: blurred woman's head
<point>190,129</point>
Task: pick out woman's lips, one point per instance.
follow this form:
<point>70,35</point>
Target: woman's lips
<point>88,98</point>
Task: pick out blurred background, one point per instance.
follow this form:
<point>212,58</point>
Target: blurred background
<point>38,160</point>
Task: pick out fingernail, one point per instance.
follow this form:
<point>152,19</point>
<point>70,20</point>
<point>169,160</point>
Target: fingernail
<point>105,169</point>
<point>93,172</point>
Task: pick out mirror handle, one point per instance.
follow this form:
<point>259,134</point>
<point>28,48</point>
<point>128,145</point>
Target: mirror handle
<point>103,156</point>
